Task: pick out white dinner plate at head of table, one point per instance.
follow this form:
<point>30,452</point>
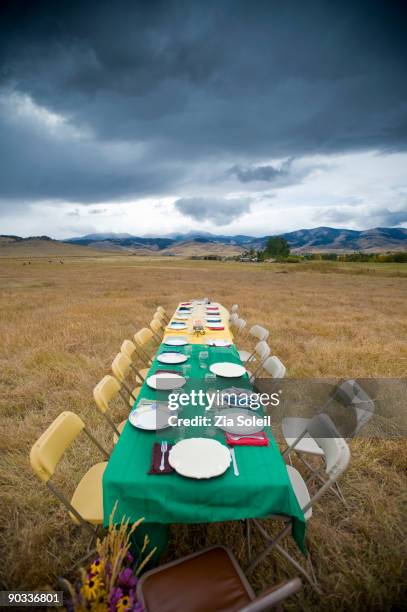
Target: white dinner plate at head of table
<point>199,458</point>
<point>227,369</point>
<point>169,357</point>
<point>219,342</point>
<point>176,341</point>
<point>165,381</point>
<point>153,418</point>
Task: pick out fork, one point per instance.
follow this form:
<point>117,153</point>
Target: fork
<point>239,436</point>
<point>164,448</point>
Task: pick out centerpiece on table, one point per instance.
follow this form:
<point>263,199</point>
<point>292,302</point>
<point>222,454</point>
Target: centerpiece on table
<point>198,327</point>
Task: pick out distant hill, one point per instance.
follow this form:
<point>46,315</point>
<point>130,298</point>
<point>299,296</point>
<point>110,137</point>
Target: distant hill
<point>319,239</point>
<point>42,246</point>
<point>328,239</point>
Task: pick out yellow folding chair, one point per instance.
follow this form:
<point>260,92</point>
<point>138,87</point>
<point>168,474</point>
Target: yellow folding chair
<point>105,392</point>
<point>143,340</point>
<point>86,505</point>
<point>156,328</point>
<point>164,314</point>
<point>130,350</point>
<point>158,317</point>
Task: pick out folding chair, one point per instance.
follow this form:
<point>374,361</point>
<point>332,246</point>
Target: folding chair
<point>143,340</point>
<point>207,580</point>
<point>158,317</point>
<point>262,351</point>
<point>258,332</point>
<point>234,309</point>
<point>164,314</point>
<point>105,392</point>
<point>122,366</point>
<point>130,350</point>
<point>336,455</point>
<point>156,328</point>
<point>272,366</point>
<point>86,505</point>
<point>350,395</point>
<point>238,325</point>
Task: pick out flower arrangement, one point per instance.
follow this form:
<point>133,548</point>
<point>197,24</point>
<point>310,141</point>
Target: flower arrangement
<point>109,583</point>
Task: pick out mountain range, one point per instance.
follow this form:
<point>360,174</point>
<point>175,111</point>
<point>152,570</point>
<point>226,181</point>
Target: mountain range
<point>316,240</point>
<point>319,239</point>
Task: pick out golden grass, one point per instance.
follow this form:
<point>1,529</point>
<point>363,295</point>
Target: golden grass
<point>62,325</point>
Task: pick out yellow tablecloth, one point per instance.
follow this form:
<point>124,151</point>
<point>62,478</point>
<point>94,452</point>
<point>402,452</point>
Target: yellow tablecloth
<point>198,313</point>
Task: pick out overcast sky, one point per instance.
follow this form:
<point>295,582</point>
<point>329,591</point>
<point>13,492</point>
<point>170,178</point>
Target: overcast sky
<point>252,117</point>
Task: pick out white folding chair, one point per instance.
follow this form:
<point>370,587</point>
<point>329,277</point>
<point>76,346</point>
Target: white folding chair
<point>274,367</point>
<point>234,309</point>
<point>238,325</point>
<point>353,397</point>
<point>262,352</point>
<point>336,454</point>
<point>259,333</point>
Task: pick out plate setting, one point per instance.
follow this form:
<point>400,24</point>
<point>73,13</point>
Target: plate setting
<point>227,369</point>
<point>150,418</point>
<point>220,342</point>
<point>171,357</point>
<point>176,341</point>
<point>199,458</point>
<point>165,381</point>
<point>177,325</point>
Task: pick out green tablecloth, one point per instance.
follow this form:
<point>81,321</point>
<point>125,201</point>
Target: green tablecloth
<point>262,488</point>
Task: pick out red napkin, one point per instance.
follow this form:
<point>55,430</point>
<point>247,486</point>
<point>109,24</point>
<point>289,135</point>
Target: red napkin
<point>156,460</point>
<point>257,439</point>
<point>215,328</point>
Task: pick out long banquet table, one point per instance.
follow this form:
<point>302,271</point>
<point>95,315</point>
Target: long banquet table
<point>261,489</point>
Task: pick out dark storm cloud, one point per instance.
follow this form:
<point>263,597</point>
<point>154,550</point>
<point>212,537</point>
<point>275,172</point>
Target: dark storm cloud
<point>218,210</point>
<point>158,86</point>
<point>267,174</point>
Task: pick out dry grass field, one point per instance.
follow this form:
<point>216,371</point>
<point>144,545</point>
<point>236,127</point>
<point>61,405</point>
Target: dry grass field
<point>61,326</point>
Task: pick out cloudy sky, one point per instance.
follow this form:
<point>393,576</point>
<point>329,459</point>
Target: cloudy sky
<point>229,116</point>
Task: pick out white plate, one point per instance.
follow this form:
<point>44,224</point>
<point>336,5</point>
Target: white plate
<point>227,369</point>
<point>219,342</point>
<point>214,320</point>
<point>164,381</point>
<point>183,317</point>
<point>152,418</point>
<point>244,425</point>
<point>175,325</point>
<point>215,325</point>
<point>168,357</point>
<point>176,341</point>
<point>199,458</point>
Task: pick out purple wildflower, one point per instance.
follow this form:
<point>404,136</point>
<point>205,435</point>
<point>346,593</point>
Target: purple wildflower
<point>126,579</point>
<point>115,595</point>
